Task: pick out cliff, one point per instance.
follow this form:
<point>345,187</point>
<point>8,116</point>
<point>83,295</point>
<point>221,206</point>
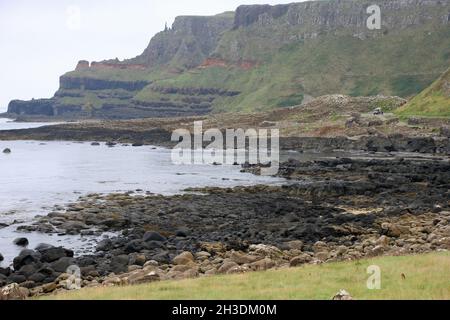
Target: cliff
<point>263,57</point>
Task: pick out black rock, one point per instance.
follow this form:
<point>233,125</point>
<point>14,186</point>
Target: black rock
<point>7,150</point>
<point>25,257</point>
<point>62,264</point>
<point>28,270</point>
<point>1,257</point>
<point>22,242</point>
<point>153,236</point>
<point>137,144</point>
<point>105,245</point>
<point>95,144</point>
<point>43,246</point>
<point>119,264</point>
<point>53,254</point>
<point>16,278</point>
<point>5,271</point>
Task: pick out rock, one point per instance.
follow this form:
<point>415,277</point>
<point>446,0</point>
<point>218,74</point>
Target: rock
<point>55,253</point>
<point>13,292</point>
<point>26,257</point>
<point>242,258</point>
<point>104,245</point>
<point>265,251</point>
<point>262,265</point>
<point>95,144</point>
<point>43,246</point>
<point>227,265</point>
<point>62,264</point>
<point>300,260</point>
<point>393,230</point>
<point>137,144</point>
<point>5,271</point>
<point>342,295</point>
<point>1,257</point>
<point>322,255</point>
<point>153,236</point>
<point>21,242</point>
<point>17,278</point>
<point>295,245</point>
<point>143,277</point>
<point>383,241</point>
<point>73,226</point>
<point>119,264</point>
<point>183,258</point>
<point>7,151</point>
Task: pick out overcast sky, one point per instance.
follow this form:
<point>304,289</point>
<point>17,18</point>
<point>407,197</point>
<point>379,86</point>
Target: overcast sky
<point>41,40</point>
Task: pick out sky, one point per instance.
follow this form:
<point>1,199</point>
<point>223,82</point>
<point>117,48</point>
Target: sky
<point>41,40</point>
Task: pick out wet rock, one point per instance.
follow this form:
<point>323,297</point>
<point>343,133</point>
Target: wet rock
<point>43,246</point>
<point>21,242</point>
<point>26,257</point>
<point>7,151</point>
<point>105,245</point>
<point>153,236</point>
<point>55,253</point>
<point>62,264</point>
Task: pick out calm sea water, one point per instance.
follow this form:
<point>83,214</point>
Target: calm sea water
<point>9,124</point>
<point>36,176</point>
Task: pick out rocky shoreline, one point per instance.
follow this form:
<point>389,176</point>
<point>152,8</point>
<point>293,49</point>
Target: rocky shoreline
<point>332,210</point>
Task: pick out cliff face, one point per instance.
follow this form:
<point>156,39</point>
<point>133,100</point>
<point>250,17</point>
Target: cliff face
<point>262,57</point>
<point>190,41</point>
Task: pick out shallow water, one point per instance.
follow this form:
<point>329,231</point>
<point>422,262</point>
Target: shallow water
<point>35,176</point>
<point>9,124</point>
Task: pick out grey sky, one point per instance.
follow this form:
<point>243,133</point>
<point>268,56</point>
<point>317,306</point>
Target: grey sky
<point>41,40</point>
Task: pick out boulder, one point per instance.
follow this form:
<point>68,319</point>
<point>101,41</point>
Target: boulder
<point>227,265</point>
<point>105,245</point>
<point>119,264</point>
<point>262,265</point>
<point>300,260</point>
<point>55,253</point>
<point>242,258</point>
<point>153,236</point>
<point>13,292</point>
<point>21,242</point>
<point>62,264</point>
<point>7,150</point>
<point>183,258</point>
<point>1,257</point>
<point>25,257</point>
<point>43,246</point>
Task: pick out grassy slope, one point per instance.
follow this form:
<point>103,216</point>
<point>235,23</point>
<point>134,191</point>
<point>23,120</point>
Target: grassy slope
<point>427,277</point>
<point>433,101</point>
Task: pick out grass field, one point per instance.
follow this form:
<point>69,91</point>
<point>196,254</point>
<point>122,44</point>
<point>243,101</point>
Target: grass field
<point>409,277</point>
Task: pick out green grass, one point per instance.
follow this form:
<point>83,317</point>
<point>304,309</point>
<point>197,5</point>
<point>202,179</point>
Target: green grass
<point>426,277</point>
<point>433,101</point>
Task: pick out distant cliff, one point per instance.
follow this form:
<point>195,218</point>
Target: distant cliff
<point>262,57</point>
